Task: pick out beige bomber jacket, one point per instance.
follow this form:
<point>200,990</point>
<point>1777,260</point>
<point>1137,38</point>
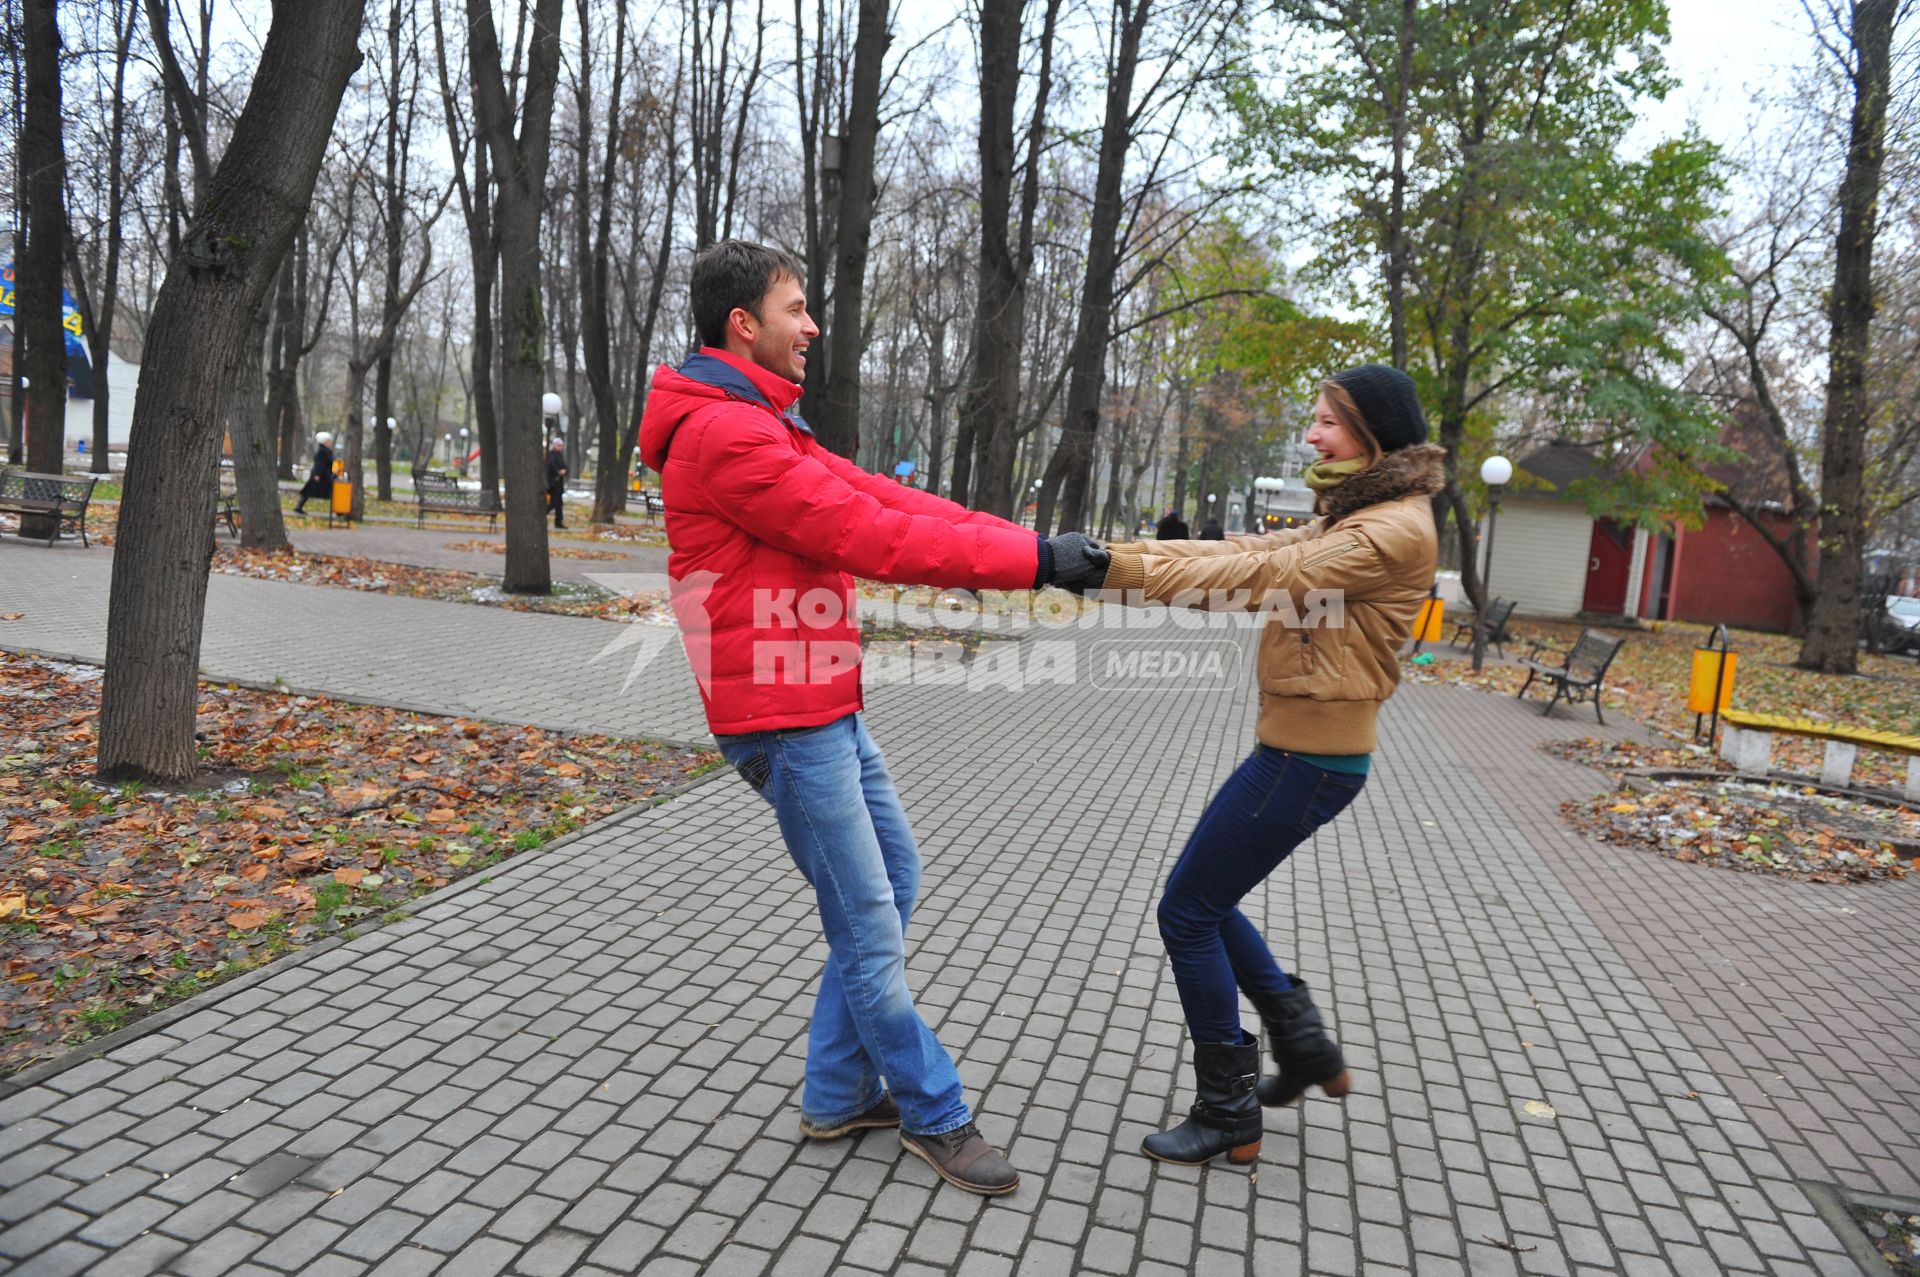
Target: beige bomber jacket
<point>1353,582</point>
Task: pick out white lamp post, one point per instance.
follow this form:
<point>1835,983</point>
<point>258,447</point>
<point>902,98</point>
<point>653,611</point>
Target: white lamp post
<point>1496,471</point>
<point>463,452</point>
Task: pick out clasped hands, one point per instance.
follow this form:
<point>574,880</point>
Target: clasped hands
<point>1079,562</point>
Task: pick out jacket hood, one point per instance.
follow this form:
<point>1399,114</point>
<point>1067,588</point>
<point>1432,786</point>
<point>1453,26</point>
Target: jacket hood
<point>704,378</point>
<point>1419,470</point>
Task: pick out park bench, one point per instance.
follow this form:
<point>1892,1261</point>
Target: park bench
<point>1580,673</point>
<point>1498,613</point>
<point>226,508</point>
<point>1748,745</point>
<point>439,494</point>
<point>60,500</point>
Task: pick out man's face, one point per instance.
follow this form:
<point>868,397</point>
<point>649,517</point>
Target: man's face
<point>783,331</point>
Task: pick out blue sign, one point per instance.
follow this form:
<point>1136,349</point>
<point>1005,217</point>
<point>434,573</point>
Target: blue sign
<point>69,313</point>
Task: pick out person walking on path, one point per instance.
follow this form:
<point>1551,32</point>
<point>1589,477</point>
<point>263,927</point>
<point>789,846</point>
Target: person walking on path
<point>319,484</point>
<point>1172,527</point>
<point>764,526</point>
<point>557,480</point>
<point>1212,531</point>
<point>1373,545</point>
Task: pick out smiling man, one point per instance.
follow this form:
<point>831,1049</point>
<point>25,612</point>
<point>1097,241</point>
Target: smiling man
<point>767,530</point>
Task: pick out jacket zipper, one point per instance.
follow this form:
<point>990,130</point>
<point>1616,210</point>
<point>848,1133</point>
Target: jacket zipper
<point>1325,555</point>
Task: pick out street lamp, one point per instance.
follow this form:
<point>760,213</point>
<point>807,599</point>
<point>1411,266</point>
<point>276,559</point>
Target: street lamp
<point>1495,472</point>
<point>463,452</point>
<point>448,440</point>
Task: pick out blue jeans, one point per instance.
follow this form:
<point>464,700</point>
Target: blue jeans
<point>1271,804</point>
<point>845,829</point>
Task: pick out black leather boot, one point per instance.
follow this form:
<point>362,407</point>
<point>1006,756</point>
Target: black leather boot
<point>1226,1116</point>
<point>1298,1039</point>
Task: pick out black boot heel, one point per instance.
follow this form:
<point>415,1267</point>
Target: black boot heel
<point>1225,1118</point>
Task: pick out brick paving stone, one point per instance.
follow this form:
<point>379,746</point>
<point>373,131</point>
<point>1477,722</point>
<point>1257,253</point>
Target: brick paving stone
<point>609,1085</point>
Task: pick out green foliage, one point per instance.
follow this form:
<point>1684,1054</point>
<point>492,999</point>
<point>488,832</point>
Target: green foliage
<point>1541,261</point>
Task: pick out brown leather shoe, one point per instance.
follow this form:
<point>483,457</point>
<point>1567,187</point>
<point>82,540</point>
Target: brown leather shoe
<point>885,1113</point>
<point>965,1160</point>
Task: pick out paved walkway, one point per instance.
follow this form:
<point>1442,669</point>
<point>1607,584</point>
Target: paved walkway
<point>589,1063</point>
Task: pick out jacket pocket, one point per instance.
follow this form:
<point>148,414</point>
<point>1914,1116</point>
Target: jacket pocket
<point>1304,661</point>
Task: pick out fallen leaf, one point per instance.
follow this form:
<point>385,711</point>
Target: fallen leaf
<point>350,876</point>
<point>11,616</point>
<point>246,921</point>
<point>1538,1108</point>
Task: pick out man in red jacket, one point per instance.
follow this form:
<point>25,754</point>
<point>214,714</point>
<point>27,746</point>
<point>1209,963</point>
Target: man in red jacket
<point>770,525</point>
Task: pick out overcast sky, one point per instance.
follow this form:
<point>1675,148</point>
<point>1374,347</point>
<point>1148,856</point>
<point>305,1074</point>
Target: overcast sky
<point>1722,51</point>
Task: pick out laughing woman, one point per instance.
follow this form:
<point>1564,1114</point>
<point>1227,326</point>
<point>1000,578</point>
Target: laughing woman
<point>1374,547</point>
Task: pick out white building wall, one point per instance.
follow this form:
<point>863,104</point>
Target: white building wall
<point>122,380</point>
<point>1540,556</point>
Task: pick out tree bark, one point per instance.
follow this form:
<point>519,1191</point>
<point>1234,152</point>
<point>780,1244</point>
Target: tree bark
<point>476,201</point>
<point>250,428</point>
<point>195,344</point>
<point>99,314</point>
<point>520,164</point>
<point>835,408</point>
<point>594,251</point>
<point>43,155</point>
<point>1832,641</point>
<point>1069,472</point>
<point>986,436</point>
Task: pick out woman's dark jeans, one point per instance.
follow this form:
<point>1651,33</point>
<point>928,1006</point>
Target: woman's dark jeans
<point>1271,804</point>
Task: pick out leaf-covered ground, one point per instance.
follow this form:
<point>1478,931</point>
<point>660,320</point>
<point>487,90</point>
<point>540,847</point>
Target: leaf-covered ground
<point>1794,832</point>
<point>313,817</point>
<point>1894,1235</point>
<point>1648,682</point>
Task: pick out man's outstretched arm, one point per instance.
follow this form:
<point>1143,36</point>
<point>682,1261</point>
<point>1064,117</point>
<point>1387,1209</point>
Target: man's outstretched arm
<point>801,504</point>
<point>898,496</point>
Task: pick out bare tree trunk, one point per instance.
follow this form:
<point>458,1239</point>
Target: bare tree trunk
<point>17,401</point>
<point>1069,471</point>
<point>835,410</point>
<point>1832,642</point>
<point>195,343</point>
<point>43,155</point>
<point>476,201</point>
<point>520,164</point>
<point>1397,245</point>
<point>250,427</point>
<point>986,437</point>
<point>594,251</point>
<point>98,314</point>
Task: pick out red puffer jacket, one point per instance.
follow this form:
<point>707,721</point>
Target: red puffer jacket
<point>766,525</point>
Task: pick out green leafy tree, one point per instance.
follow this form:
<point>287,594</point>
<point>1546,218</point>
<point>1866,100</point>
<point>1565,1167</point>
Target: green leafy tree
<point>1457,166</point>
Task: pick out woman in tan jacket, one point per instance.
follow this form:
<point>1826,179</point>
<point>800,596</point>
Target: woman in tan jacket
<point>1343,593</point>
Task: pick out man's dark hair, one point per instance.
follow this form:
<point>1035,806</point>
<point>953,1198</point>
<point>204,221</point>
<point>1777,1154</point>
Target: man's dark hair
<point>734,275</point>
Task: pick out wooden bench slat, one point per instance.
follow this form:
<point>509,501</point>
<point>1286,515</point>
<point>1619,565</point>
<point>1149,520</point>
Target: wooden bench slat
<point>1786,725</point>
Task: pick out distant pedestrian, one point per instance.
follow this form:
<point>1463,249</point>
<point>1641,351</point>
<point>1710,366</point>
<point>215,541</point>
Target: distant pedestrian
<point>319,484</point>
<point>1212,531</point>
<point>1172,527</point>
<point>557,480</point>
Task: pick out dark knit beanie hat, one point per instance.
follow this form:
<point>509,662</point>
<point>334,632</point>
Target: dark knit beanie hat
<point>1386,399</point>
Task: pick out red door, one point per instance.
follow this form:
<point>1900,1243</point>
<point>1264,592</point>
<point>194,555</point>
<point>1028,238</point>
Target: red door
<point>1608,556</point>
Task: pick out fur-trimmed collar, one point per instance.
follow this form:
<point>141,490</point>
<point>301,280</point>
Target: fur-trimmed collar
<point>1417,471</point>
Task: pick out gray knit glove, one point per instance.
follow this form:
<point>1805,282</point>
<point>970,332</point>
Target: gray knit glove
<point>1079,562</point>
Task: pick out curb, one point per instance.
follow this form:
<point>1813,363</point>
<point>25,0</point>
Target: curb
<point>289,689</point>
<point>35,1075</point>
<point>1831,1201</point>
